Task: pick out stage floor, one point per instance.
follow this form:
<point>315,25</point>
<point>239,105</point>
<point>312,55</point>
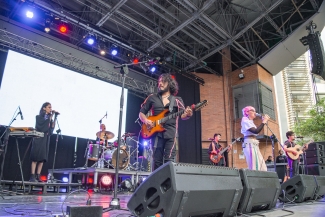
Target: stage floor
<point>50,205</point>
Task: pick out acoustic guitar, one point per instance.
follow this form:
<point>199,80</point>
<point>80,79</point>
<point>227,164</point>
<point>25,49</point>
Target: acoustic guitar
<point>298,149</point>
<point>162,117</point>
<point>215,158</point>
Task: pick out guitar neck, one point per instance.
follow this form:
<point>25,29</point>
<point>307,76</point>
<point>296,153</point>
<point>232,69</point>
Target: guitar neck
<point>174,115</point>
<point>225,149</point>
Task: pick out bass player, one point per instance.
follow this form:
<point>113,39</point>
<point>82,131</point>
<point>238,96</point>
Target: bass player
<point>215,148</point>
<point>165,142</point>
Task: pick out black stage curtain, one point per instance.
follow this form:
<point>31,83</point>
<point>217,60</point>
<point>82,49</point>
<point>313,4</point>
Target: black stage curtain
<point>189,130</point>
<point>190,150</point>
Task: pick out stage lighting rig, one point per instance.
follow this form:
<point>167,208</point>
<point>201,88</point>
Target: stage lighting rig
<point>47,25</point>
<point>114,50</point>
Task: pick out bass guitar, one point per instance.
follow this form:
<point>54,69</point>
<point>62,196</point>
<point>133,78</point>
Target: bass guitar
<point>299,149</point>
<point>215,158</point>
<point>162,117</point>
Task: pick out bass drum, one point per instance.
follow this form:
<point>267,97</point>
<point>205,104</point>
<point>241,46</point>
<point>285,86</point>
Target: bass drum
<point>123,159</point>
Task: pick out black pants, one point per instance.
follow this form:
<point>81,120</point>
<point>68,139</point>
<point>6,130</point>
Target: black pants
<point>164,151</point>
<point>294,167</point>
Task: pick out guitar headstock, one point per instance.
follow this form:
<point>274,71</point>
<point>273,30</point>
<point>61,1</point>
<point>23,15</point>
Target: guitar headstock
<point>239,139</point>
<point>199,105</point>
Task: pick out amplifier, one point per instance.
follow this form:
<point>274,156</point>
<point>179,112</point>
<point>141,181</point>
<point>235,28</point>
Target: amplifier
<point>85,211</point>
<point>316,169</point>
<point>316,146</point>
<point>315,153</point>
<point>315,160</point>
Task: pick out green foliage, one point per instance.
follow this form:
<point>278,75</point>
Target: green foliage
<point>314,127</point>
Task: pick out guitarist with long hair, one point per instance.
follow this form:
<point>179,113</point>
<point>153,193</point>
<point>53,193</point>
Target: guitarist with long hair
<point>164,142</point>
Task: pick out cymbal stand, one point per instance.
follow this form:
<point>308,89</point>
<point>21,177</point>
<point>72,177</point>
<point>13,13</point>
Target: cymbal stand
<point>136,168</point>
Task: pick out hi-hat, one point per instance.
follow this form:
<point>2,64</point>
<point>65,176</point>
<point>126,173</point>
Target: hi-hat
<point>105,134</point>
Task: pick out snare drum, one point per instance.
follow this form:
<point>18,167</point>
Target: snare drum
<point>94,152</point>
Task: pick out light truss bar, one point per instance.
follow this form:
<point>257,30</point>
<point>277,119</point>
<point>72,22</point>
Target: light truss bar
<point>68,61</point>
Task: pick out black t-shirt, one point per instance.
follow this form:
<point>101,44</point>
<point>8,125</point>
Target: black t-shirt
<point>154,103</point>
<point>281,159</point>
<point>217,146</point>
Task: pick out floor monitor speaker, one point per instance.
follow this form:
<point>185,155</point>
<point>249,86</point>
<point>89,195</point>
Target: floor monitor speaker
<point>261,190</point>
<point>298,189</point>
<point>188,190</point>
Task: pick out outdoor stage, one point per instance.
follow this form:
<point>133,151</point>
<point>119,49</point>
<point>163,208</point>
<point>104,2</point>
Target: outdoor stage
<point>50,205</point>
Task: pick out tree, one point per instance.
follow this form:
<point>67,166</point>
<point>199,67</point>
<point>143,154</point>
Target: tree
<point>314,127</point>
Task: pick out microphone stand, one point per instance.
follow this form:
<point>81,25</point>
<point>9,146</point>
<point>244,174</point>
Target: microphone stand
<point>56,145</point>
<point>115,202</point>
<point>273,139</point>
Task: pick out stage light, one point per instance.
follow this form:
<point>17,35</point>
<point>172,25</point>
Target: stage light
<point>47,25</point>
<point>63,28</point>
<point>135,60</point>
<point>114,50</point>
<point>145,143</point>
<point>90,41</point>
<point>106,180</point>
<point>102,52</point>
<point>30,14</point>
<point>152,68</point>
<point>126,184</point>
<point>65,179</point>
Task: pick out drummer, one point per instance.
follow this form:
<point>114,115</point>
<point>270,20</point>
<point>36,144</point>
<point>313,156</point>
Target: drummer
<point>103,136</point>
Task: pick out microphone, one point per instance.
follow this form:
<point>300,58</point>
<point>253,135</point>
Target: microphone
<point>210,139</point>
<point>21,114</point>
<point>258,115</point>
<point>152,61</point>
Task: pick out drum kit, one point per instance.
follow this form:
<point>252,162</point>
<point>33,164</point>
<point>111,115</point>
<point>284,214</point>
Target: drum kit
<point>104,153</point>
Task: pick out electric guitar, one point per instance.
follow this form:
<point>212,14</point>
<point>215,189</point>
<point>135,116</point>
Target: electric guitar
<point>299,149</point>
<point>161,118</point>
<point>215,158</point>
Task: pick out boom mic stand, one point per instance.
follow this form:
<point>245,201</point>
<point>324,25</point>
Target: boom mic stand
<point>273,139</point>
<point>52,180</point>
<point>124,70</point>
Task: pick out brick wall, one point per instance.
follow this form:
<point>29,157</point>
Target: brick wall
<point>218,116</point>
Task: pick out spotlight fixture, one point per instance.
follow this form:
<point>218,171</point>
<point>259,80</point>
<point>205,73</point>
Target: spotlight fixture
<point>30,14</point>
<point>102,52</point>
<point>152,69</point>
<point>145,143</point>
<point>241,74</point>
<point>47,25</point>
<point>114,50</point>
<point>65,179</point>
<point>90,41</point>
<point>126,184</point>
<point>63,28</point>
<point>135,60</point>
<point>106,180</point>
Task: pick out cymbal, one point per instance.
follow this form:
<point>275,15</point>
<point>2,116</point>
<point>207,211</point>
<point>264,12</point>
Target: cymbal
<point>102,134</point>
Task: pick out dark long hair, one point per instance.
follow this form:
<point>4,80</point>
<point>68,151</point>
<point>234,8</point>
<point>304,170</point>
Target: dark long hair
<point>41,111</point>
<point>172,83</point>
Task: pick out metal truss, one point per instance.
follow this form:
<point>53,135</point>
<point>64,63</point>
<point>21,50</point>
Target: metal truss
<point>68,61</point>
<point>187,31</point>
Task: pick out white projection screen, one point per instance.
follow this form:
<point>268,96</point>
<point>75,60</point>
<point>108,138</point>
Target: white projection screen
<point>81,100</point>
